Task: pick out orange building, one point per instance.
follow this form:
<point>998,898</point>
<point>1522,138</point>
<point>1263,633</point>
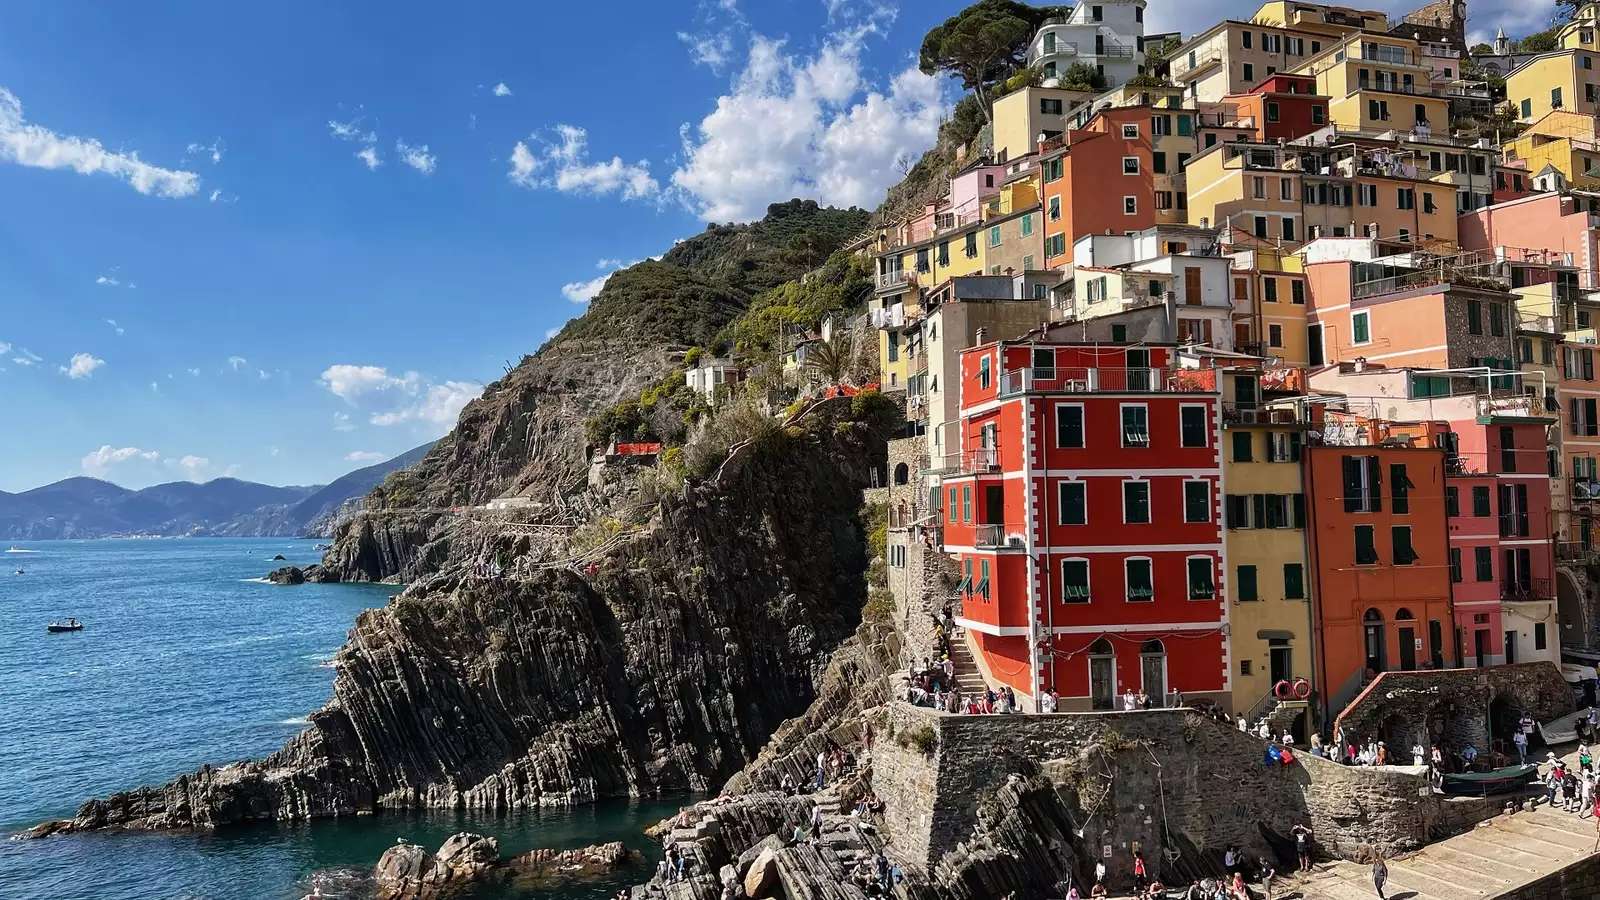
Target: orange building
<point>1098,179</point>
<point>1379,553</point>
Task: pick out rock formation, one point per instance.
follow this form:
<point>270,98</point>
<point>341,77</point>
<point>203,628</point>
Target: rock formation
<point>466,863</point>
<point>662,664</point>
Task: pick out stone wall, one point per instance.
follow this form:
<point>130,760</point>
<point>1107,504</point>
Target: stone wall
<point>1579,881</point>
<point>1453,707</point>
<point>1173,783</point>
<point>921,587</point>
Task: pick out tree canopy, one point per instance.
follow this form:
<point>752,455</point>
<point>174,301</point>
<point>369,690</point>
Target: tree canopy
<point>982,44</point>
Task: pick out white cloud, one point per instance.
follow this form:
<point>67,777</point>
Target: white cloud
<point>364,456</point>
<point>369,156</point>
<point>114,326</point>
<point>4,348</point>
<point>41,148</point>
<point>710,49</point>
<point>500,90</point>
<point>82,366</point>
<point>99,462</point>
<point>155,388</point>
<point>193,466</point>
<point>396,399</point>
<point>217,196</point>
<point>27,357</point>
<point>607,263</point>
<point>212,150</point>
<point>552,332</point>
<point>583,291</point>
<point>237,362</point>
<point>341,422</point>
<point>807,127</point>
<point>351,131</point>
<point>563,164</point>
<point>416,157</point>
<point>273,451</point>
<point>195,372</point>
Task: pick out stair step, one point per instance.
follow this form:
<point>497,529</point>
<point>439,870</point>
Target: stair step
<point>1407,875</point>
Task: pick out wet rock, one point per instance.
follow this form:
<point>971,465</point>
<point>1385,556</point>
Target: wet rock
<point>287,575</point>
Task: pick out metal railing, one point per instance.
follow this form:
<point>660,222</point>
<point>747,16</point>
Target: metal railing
<point>1574,551</point>
<point>1076,380</point>
<point>1064,48</point>
<point>1585,490</point>
<point>1266,414</point>
<point>1535,589</point>
<point>890,280</point>
<point>992,537</point>
<point>1111,51</point>
<point>978,461</point>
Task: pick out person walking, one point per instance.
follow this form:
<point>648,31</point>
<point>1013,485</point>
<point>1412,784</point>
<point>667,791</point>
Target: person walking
<point>1380,874</point>
<point>1302,846</point>
<point>1521,740</point>
<point>1141,878</point>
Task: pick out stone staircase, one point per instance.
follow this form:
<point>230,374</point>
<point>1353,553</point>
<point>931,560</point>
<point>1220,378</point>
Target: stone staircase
<point>967,673</point>
<point>1500,854</point>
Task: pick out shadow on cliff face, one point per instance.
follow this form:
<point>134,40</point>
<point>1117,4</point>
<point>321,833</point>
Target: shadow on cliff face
<point>662,666</point>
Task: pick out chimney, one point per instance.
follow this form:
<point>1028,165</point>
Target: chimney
<point>982,337</point>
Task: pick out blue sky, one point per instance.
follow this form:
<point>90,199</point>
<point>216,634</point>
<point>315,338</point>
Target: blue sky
<point>281,240</point>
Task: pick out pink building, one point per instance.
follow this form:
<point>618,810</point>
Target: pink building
<point>1562,223</point>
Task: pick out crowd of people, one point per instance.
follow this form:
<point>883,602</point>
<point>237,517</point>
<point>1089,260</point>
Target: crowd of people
<point>1568,788</point>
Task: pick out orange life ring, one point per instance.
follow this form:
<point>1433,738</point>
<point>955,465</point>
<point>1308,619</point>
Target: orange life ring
<point>1302,689</point>
<point>1282,690</point>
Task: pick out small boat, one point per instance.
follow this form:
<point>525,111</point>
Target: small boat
<point>68,625</point>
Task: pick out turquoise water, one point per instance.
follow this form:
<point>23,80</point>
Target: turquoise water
<point>185,659</point>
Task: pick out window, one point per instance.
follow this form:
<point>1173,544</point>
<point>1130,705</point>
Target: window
<point>1455,565</point>
<point>1480,500</point>
<point>1363,484</point>
<point>1136,502</point>
<point>965,586</point>
<point>1244,667</point>
<point>1555,98</point>
<point>1192,426</point>
<point>1283,446</point>
<point>1245,586</point>
<point>1360,330</point>
<point>1428,204</point>
<point>1261,226</point>
<point>1069,425</point>
<point>982,586</point>
<point>1404,553</point>
<point>1452,501</point>
<point>954,505</point>
<point>1275,336</point>
<point>1245,39</point>
<point>1526,110</point>
<point>1070,496</point>
<point>1241,446</point>
<point>1249,72</point>
<point>1400,488</point>
<point>971,246</point>
<point>1027,227</point>
<point>1366,548</point>
<point>1158,163</point>
<point>1135,426</point>
<point>1288,228</point>
<point>1130,131</point>
<point>1050,107</point>
<point>1272,111</point>
<point>1075,581</point>
<point>1269,288</point>
<point>1141,586</point>
<point>1318,114</point>
<point>1200,581</point>
<point>1538,636</point>
<point>966,503</point>
<point>1197,501</point>
<point>994,236</point>
<point>983,372</point>
<point>1294,581</point>
<point>1130,205</point>
<point>1483,563</point>
<point>1130,165</point>
<point>1366,195</point>
<point>1405,198</point>
<point>1497,320</point>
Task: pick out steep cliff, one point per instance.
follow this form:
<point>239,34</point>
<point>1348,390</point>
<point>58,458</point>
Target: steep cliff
<point>525,435</point>
<point>660,664</point>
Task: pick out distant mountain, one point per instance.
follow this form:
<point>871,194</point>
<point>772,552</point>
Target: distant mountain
<point>320,512</point>
<point>88,507</point>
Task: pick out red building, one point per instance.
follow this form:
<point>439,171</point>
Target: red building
<point>1099,179</point>
<point>1283,106</point>
<point>1084,514</point>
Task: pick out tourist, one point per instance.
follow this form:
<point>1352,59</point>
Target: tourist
<point>1587,791</point>
<point>1552,779</point>
<point>1585,759</point>
<point>1140,876</point>
<point>1098,891</point>
<point>787,785</point>
<point>816,822</point>
<point>1242,726</point>
<point>1072,893</point>
<point>1302,846</point>
<point>1316,744</point>
<point>1381,758</point>
<point>1099,871</point>
<point>1264,730</point>
<point>1380,873</point>
<point>1238,889</point>
<point>1525,726</point>
<point>1047,702</point>
<point>1436,759</point>
<point>1129,701</point>
<point>1572,792</point>
<point>822,769</point>
<point>1521,740</point>
<point>1419,756</point>
<point>1231,859</point>
<point>1268,873</point>
<point>1469,756</point>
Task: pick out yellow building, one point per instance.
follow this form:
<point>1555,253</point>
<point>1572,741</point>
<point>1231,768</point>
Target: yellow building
<point>1021,116</point>
<point>1251,188</point>
<point>1264,546</point>
<point>1320,18</point>
<point>1378,82</point>
<point>1564,140</point>
<point>1581,33</point>
<point>1269,285</point>
<point>1232,57</point>
<point>1560,79</point>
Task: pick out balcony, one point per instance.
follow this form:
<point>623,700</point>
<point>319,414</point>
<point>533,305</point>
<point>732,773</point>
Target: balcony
<point>1287,413</point>
<point>1540,324</point>
<point>1574,551</point>
<point>890,281</point>
<point>994,537</point>
<point>978,461</point>
<point>1584,490</point>
<point>891,317</point>
<point>1077,380</point>
<point>1224,120</point>
<point>1534,589</point>
<point>1111,51</point>
<point>1058,48</point>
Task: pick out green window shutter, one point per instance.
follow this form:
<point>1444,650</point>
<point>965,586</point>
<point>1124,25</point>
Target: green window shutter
<point>1247,583</point>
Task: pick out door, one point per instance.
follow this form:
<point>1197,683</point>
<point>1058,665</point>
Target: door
<point>1138,370</point>
<point>1244,391</point>
<point>1280,660</point>
<point>994,505</point>
<point>1191,286</point>
<point>1511,647</point>
<point>1408,649</point>
<point>1103,682</point>
<point>1376,655</point>
<point>1480,647</point>
<point>1241,335</point>
<point>1153,675</point>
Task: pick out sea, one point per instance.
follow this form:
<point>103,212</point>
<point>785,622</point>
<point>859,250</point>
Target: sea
<point>189,656</point>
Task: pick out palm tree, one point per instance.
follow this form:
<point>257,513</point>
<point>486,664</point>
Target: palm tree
<point>832,360</point>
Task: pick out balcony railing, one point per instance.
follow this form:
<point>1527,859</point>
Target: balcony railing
<point>1541,324</point>
<point>991,537</point>
<point>1574,551</point>
<point>1266,414</point>
<point>1059,48</point>
<point>888,281</point>
<point>1584,490</point>
<point>1224,120</point>
<point>1535,589</point>
<point>1113,51</point>
<point>1078,380</point>
<point>978,461</point>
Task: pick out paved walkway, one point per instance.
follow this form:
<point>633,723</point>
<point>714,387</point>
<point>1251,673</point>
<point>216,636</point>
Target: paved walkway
<point>1501,853</point>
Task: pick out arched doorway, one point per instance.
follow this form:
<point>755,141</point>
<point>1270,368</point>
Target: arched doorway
<point>902,474</point>
<point>1102,675</point>
<point>1153,671</point>
<point>1377,649</point>
<point>1406,635</point>
<point>1505,712</point>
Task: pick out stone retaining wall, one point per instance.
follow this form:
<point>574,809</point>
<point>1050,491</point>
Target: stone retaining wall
<point>1579,881</point>
<point>1173,783</point>
<point>1454,706</point>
